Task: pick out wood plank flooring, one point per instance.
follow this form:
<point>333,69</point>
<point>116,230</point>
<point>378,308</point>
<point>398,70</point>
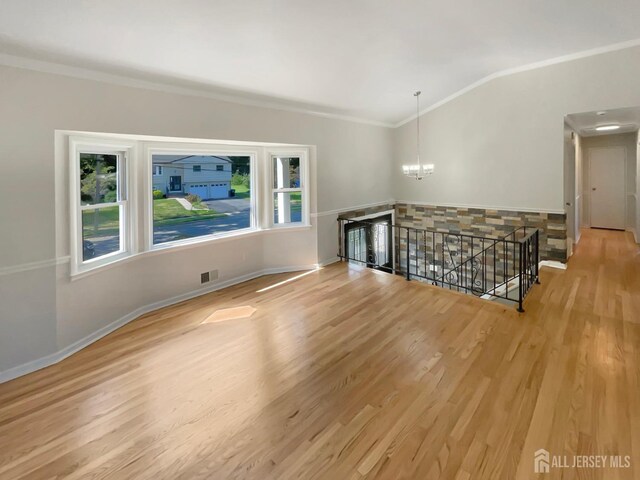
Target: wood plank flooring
<point>346,373</point>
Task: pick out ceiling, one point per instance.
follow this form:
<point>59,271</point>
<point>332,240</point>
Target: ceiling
<point>357,58</point>
<point>585,123</point>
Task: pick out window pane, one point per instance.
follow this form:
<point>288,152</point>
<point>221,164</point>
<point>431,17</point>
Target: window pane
<point>287,207</point>
<point>286,172</point>
<point>100,232</point>
<point>98,178</point>
<point>217,199</point>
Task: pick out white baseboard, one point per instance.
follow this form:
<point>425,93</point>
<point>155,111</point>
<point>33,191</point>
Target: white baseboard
<point>60,355</point>
<point>552,264</point>
<point>329,261</point>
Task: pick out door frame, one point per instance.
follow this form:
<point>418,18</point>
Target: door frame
<point>171,183</point>
<point>624,179</point>
<point>393,222</point>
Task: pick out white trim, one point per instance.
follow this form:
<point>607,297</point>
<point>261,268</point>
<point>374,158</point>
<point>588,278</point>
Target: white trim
<point>552,264</point>
<point>126,153</point>
<point>483,207</point>
<point>151,148</point>
<point>95,75</point>
<point>25,267</point>
<point>89,74</point>
<point>350,209</point>
<point>303,155</point>
<point>69,350</point>
<point>524,68</point>
<point>329,261</point>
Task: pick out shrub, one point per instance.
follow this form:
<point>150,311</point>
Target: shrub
<point>240,179</point>
<point>111,196</point>
<point>191,198</point>
<point>157,194</point>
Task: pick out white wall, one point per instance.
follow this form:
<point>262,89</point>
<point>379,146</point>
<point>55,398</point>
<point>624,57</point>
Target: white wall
<point>44,312</point>
<point>477,139</point>
<point>629,142</point>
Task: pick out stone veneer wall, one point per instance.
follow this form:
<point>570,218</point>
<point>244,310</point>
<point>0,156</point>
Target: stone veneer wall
<point>488,223</point>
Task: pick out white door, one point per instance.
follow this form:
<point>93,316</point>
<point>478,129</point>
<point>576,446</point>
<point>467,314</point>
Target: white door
<point>219,190</point>
<point>607,187</point>
<point>200,190</point>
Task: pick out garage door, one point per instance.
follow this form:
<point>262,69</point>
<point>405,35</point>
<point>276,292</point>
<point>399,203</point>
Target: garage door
<point>219,190</point>
<point>201,190</point>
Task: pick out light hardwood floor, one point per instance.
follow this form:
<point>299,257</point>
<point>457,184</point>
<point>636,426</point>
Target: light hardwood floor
<point>345,373</point>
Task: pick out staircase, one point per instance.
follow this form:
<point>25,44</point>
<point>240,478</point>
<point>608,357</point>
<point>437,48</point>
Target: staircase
<point>502,269</point>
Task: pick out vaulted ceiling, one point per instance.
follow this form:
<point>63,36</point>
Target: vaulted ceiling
<point>358,58</point>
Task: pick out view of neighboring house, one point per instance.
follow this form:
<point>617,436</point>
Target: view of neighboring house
<point>207,176</point>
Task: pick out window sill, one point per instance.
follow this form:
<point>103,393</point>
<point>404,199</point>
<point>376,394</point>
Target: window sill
<point>176,246</point>
<point>294,227</point>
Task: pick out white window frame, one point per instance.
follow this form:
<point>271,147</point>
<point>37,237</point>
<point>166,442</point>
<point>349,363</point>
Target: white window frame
<point>157,171</point>
<point>303,155</point>
<point>167,148</point>
<point>125,152</point>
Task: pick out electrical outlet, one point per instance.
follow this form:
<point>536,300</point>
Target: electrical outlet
<point>204,277</point>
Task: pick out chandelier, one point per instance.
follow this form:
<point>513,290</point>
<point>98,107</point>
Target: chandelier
<point>418,170</point>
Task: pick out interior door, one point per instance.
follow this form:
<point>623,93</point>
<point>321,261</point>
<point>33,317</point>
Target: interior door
<point>607,187</point>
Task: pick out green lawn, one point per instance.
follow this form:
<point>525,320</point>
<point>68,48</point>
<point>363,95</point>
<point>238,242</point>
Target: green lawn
<point>241,191</point>
<point>101,222</point>
<point>168,211</point>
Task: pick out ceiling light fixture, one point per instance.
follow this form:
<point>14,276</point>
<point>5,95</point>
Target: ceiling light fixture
<point>606,128</point>
<point>418,171</point>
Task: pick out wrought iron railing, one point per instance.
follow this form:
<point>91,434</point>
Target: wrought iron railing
<point>501,268</point>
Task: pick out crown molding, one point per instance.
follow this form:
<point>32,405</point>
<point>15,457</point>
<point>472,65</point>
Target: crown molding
<point>91,74</point>
<point>524,68</point>
<point>95,75</point>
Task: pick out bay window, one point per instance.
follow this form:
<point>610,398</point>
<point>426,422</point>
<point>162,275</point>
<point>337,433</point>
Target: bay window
<point>131,195</point>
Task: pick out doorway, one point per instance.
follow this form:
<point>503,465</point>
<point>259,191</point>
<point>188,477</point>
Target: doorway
<point>607,187</point>
<point>175,183</point>
<point>371,242</point>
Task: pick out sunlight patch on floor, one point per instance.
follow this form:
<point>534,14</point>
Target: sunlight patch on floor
<point>288,280</point>
<point>225,314</point>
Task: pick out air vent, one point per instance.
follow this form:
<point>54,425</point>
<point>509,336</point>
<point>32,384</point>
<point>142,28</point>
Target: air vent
<point>204,277</point>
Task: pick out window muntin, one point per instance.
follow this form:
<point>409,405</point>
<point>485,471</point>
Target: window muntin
<point>102,205</point>
<point>205,206</point>
<point>288,199</point>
